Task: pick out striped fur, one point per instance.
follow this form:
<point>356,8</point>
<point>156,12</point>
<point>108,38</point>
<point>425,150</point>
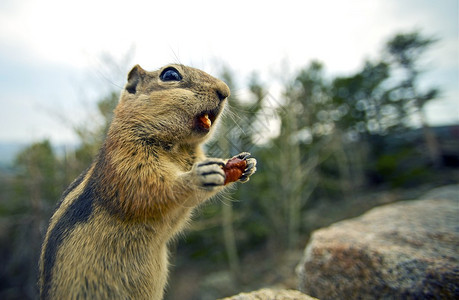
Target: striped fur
<point>108,236</point>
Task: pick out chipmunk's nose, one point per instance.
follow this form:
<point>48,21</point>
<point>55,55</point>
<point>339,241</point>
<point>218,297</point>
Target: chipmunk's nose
<point>222,90</point>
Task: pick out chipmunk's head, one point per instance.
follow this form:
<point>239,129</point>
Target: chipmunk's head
<point>176,104</point>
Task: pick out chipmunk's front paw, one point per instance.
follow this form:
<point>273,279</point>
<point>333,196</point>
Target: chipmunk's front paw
<point>240,168</point>
<point>251,166</point>
<point>209,173</point>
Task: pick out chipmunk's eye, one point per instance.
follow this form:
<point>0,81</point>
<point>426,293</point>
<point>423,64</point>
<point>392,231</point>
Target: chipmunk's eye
<point>170,74</point>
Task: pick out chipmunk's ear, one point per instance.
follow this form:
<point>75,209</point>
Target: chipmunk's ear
<point>134,77</point>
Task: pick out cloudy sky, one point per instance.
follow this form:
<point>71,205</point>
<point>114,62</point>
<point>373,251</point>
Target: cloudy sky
<point>55,55</point>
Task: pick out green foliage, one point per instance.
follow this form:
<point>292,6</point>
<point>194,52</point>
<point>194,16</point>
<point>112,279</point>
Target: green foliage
<point>401,168</point>
<point>407,48</point>
<point>364,107</point>
<point>37,179</point>
<point>24,214</point>
<point>406,51</point>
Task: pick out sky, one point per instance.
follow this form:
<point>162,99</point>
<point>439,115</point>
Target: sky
<point>57,58</point>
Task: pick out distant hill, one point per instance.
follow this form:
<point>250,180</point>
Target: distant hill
<point>9,150</point>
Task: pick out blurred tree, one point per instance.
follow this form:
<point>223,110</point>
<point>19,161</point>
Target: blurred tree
<point>362,103</point>
<point>292,169</point>
<point>92,134</point>
<point>406,50</point>
<point>361,110</point>
<point>24,218</point>
<point>38,173</point>
<point>223,145</point>
<point>236,135</point>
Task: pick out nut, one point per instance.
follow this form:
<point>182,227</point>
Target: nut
<point>234,169</point>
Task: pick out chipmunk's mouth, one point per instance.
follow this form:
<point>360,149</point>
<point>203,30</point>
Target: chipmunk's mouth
<point>205,120</point>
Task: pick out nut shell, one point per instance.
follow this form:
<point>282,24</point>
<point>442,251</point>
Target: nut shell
<point>205,121</point>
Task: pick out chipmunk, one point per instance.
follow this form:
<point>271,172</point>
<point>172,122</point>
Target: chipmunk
<point>108,236</point>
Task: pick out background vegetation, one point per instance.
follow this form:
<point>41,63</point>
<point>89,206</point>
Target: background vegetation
<point>345,144</point>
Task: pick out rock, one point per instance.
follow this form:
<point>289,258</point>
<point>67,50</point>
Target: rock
<point>406,250</point>
<point>271,294</point>
<point>450,192</point>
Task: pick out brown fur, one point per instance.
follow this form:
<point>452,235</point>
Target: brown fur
<point>108,237</point>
